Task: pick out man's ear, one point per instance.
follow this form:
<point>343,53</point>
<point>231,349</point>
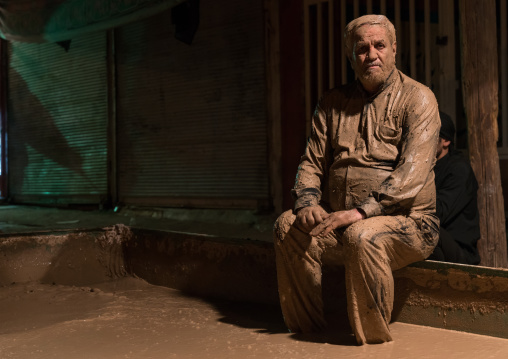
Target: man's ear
<point>446,143</point>
<point>394,47</point>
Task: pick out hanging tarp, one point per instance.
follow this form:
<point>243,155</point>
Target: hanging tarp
<point>60,20</point>
<point>57,116</point>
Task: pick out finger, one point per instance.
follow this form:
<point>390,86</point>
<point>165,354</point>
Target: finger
<point>328,225</point>
<point>318,217</point>
<point>318,229</point>
<point>310,220</point>
<point>303,223</point>
<point>327,230</point>
<point>300,225</point>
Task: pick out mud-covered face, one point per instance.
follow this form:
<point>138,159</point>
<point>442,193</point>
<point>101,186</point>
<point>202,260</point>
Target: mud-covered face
<point>373,57</point>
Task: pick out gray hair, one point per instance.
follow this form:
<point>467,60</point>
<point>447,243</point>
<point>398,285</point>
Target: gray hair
<point>353,26</point>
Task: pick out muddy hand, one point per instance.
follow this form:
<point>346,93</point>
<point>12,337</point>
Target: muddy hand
<point>309,217</point>
<point>336,220</point>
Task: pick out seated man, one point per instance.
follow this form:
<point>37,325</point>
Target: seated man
<point>456,206</point>
<point>364,189</point>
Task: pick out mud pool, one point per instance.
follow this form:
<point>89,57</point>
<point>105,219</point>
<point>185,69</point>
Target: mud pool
<point>129,318</point>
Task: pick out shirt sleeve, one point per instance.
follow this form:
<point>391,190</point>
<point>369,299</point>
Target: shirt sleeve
<point>420,133</point>
<point>313,164</point>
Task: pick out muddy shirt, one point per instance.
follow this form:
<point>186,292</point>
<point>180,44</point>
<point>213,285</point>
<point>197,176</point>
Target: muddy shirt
<point>372,152</point>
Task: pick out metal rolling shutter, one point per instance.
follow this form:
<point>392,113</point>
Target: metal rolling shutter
<point>57,121</point>
<point>192,127</point>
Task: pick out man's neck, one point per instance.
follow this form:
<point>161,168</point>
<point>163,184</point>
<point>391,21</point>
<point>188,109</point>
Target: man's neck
<point>443,153</point>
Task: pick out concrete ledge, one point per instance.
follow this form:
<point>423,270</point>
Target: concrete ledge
<point>442,295</point>
<point>63,257</point>
<point>204,265</point>
<point>453,296</point>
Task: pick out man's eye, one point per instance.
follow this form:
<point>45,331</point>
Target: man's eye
<point>362,50</point>
<point>380,46</point>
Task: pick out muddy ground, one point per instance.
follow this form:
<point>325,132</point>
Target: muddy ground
<point>129,318</point>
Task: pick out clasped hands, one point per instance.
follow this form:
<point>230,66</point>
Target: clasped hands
<point>315,221</point>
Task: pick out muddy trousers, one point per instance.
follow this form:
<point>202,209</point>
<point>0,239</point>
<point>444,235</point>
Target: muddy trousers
<point>369,250</point>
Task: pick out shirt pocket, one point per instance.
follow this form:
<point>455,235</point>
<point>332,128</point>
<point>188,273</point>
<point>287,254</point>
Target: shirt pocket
<point>389,135</point>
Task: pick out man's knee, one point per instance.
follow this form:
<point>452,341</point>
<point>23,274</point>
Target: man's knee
<point>355,235</point>
<point>283,224</point>
<point>360,238</point>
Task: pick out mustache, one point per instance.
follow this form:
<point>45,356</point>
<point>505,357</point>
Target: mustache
<point>374,63</point>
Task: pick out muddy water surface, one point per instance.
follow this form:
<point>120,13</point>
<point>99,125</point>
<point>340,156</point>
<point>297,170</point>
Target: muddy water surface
<point>129,318</point>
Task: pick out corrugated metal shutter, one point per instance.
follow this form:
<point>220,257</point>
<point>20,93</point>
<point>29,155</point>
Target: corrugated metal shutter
<point>57,121</point>
<point>192,126</point>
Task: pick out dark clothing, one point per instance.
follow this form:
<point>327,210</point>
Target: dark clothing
<point>449,250</point>
<point>457,209</point>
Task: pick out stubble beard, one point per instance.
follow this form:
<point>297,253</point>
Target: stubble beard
<point>373,79</point>
<point>376,78</point>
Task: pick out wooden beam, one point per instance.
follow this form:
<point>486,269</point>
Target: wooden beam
<point>306,40</point>
<point>412,39</point>
<point>343,59</point>
<point>428,77</point>
<point>319,55</point>
<point>3,118</point>
<point>112,119</point>
<point>272,58</point>
<point>292,89</point>
<point>446,72</point>
<point>480,91</point>
<point>331,45</point>
<point>504,71</point>
<point>398,30</point>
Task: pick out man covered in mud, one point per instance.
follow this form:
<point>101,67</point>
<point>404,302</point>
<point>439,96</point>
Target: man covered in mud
<point>456,201</point>
<point>364,191</point>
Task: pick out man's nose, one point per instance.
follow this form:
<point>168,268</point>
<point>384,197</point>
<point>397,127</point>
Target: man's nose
<point>372,53</point>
